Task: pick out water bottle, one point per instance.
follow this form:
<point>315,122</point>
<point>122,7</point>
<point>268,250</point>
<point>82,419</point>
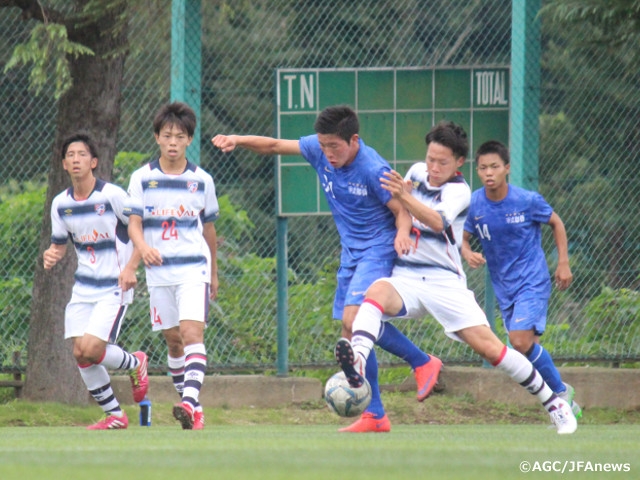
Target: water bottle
<point>145,412</point>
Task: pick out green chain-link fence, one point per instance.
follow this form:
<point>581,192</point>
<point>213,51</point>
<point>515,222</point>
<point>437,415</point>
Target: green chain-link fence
<point>588,168</point>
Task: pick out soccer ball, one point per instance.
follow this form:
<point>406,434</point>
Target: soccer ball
<point>344,399</point>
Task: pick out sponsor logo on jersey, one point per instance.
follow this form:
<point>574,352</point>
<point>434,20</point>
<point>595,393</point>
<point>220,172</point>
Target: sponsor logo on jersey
<point>179,212</point>
<point>153,184</point>
<point>91,237</point>
<point>68,212</point>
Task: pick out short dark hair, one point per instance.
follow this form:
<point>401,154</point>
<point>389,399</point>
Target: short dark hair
<point>493,146</point>
<point>338,120</point>
<point>79,137</point>
<point>177,113</point>
<point>451,135</point>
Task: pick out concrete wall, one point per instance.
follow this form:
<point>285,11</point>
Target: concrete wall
<point>595,387</point>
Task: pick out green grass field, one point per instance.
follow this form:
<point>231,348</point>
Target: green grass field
<point>312,452</point>
<point>443,438</point>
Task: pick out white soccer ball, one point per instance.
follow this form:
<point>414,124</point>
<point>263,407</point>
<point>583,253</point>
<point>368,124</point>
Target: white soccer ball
<point>344,399</point>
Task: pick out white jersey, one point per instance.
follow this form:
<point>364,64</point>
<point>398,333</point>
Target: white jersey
<point>437,250</point>
<point>174,209</point>
<point>97,227</point>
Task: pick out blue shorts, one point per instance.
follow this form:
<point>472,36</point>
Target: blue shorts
<point>353,282</point>
<point>526,314</point>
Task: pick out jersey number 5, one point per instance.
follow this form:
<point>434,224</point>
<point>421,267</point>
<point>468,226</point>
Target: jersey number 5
<point>169,230</point>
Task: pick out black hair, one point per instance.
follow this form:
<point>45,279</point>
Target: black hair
<point>338,120</point>
<point>493,146</point>
<point>79,137</point>
<point>451,135</point>
<point>177,113</point>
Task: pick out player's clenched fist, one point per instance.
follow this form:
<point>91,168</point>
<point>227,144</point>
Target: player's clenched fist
<point>51,256</point>
<point>226,143</point>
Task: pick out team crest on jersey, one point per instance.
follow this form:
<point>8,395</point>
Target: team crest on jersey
<point>100,208</point>
<point>192,186</point>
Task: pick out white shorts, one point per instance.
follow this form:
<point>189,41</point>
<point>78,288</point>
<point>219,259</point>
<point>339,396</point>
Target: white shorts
<point>444,295</point>
<point>101,319</point>
<point>172,303</point>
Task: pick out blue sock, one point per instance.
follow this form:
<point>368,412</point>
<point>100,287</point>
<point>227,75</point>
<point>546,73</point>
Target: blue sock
<point>371,374</point>
<point>541,359</point>
<point>394,341</point>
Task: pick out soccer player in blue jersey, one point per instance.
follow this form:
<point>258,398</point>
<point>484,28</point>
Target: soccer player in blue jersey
<point>172,209</point>
<point>373,228</point>
<point>90,214</point>
<point>507,221</point>
<point>430,279</point>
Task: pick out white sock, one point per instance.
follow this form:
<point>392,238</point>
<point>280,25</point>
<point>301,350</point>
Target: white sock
<point>516,365</point>
<point>96,378</point>
<point>366,327</point>
<point>117,359</point>
<point>176,371</point>
<point>195,366</point>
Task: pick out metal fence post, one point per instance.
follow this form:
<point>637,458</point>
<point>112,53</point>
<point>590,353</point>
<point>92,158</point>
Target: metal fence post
<point>525,93</point>
<point>186,51</point>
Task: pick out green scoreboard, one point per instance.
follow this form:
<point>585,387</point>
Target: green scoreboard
<point>396,107</point>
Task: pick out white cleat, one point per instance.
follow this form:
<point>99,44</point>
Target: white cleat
<point>562,417</point>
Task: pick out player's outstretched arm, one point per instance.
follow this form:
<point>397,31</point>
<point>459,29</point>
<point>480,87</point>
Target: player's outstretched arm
<point>563,275</point>
<point>474,259</point>
<point>257,144</point>
<point>52,255</point>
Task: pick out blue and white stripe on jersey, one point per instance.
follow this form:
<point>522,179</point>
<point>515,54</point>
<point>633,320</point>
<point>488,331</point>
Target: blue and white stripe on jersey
<point>451,201</point>
<point>174,209</point>
<point>97,228</point>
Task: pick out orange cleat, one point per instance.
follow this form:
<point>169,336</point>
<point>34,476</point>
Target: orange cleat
<point>111,422</point>
<point>198,420</point>
<point>140,378</point>
<point>183,412</point>
<point>367,423</point>
<point>427,377</point>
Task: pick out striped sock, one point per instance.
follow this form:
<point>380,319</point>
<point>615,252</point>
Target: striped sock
<point>176,371</point>
<point>195,366</point>
<point>516,365</point>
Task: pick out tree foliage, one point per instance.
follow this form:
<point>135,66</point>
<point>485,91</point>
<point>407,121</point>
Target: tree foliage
<point>46,52</point>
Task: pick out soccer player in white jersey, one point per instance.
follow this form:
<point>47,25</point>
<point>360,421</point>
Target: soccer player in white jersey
<point>172,209</point>
<point>507,220</point>
<point>430,278</point>
<point>90,214</point>
<point>373,229</point>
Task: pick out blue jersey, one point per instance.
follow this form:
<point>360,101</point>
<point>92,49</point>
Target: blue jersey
<point>511,237</point>
<point>357,201</point>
